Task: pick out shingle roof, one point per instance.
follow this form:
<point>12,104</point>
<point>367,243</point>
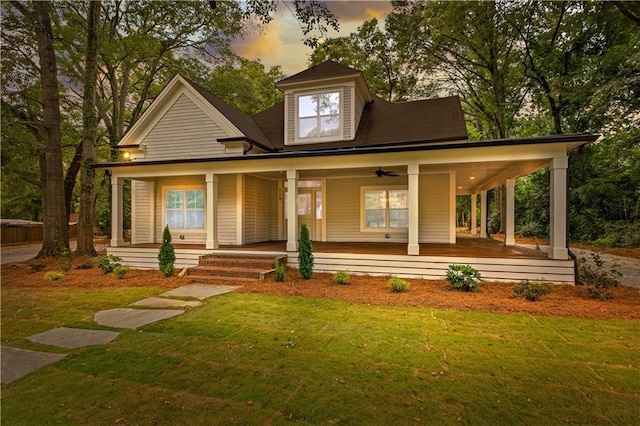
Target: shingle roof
<point>327,69</point>
<point>383,123</point>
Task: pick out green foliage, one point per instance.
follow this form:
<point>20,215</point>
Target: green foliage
<point>463,277</point>
<point>279,271</point>
<point>119,271</point>
<point>108,263</point>
<point>53,275</point>
<point>305,253</point>
<point>167,255</point>
<point>398,285</point>
<point>342,277</point>
<point>37,265</point>
<point>532,291</point>
<point>65,257</point>
<point>597,276</point>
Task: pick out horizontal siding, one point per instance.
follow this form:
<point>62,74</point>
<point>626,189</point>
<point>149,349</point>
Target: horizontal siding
<point>434,210</point>
<point>227,209</point>
<point>256,210</point>
<point>190,236</point>
<point>291,118</point>
<point>346,113</point>
<point>343,209</point>
<point>185,131</point>
<point>141,211</point>
<point>273,211</point>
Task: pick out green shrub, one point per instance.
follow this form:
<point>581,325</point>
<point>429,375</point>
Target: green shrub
<point>342,277</point>
<point>167,255</point>
<point>279,272</point>
<point>398,285</point>
<point>463,277</point>
<point>37,265</point>
<point>53,275</point>
<point>108,263</point>
<point>119,271</point>
<point>305,253</point>
<point>532,291</point>
<point>599,279</point>
<point>65,256</point>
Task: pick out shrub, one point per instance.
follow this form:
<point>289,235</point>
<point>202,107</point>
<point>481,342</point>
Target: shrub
<point>342,277</point>
<point>37,265</point>
<point>305,253</point>
<point>532,291</point>
<point>53,275</point>
<point>65,256</point>
<point>398,285</point>
<point>463,277</point>
<point>599,279</point>
<point>119,271</point>
<point>167,255</point>
<point>108,263</point>
<point>279,272</point>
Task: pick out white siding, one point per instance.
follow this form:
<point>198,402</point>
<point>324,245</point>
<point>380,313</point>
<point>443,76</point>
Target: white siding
<point>346,113</point>
<point>140,211</point>
<point>185,131</point>
<point>256,210</point>
<point>227,209</point>
<point>434,208</point>
<point>273,211</point>
<point>190,236</point>
<point>343,210</point>
<point>291,118</point>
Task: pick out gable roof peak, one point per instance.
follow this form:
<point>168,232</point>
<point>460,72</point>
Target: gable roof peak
<point>324,70</point>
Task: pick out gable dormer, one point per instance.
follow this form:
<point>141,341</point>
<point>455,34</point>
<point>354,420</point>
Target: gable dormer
<point>323,104</point>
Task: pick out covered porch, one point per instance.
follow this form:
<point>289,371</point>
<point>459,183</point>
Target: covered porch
<point>495,260</point>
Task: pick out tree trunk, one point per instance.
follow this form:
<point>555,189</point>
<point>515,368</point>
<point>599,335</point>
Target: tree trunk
<point>87,173</point>
<point>56,226</point>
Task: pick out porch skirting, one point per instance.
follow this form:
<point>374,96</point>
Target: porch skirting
<point>426,267</point>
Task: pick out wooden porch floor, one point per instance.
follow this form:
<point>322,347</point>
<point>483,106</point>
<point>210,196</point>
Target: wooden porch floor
<point>466,246</point>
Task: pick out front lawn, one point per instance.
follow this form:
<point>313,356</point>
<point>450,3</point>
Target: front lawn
<point>262,359</point>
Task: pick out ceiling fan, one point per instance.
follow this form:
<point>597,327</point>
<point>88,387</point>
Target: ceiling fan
<point>381,172</point>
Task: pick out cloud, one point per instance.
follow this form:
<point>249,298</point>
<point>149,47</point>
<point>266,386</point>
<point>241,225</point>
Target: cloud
<point>263,43</point>
<point>350,11</point>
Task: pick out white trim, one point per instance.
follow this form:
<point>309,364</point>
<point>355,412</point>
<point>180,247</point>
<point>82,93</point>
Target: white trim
<point>297,140</point>
<point>509,239</point>
<point>413,177</point>
<point>117,200</point>
<point>483,213</point>
<point>474,213</point>
<point>183,231</point>
<point>452,207</point>
<point>152,211</point>
<point>386,229</point>
<point>240,209</point>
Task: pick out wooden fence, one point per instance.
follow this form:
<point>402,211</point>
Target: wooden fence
<point>30,234</point>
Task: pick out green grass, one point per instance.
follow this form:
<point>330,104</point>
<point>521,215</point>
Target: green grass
<point>318,361</point>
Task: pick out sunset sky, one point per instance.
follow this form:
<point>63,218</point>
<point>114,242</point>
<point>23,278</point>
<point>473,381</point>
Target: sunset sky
<point>280,41</point>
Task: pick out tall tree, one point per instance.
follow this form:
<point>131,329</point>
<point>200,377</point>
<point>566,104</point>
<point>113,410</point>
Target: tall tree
<point>56,229</point>
<point>87,173</point>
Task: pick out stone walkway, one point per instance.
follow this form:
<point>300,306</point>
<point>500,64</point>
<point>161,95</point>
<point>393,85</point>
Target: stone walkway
<point>19,362</point>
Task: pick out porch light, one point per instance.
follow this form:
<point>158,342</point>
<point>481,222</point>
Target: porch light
<point>472,177</point>
<point>126,155</point>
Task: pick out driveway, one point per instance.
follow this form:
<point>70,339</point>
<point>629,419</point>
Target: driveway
<point>20,253</point>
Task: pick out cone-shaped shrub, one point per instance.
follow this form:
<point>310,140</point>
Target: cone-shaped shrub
<point>167,255</point>
<point>305,253</point>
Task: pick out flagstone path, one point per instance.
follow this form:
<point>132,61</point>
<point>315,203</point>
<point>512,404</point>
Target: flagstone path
<point>19,362</point>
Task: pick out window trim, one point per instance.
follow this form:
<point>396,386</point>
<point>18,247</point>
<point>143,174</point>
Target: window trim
<point>184,188</point>
<point>386,229</point>
<point>296,121</point>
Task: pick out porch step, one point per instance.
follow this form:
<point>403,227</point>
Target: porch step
<point>235,266</point>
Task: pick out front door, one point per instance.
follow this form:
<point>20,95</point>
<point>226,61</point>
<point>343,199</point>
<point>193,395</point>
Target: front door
<point>310,211</point>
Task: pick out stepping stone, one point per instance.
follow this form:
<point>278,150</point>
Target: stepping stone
<point>65,337</point>
<point>133,318</point>
<point>19,362</point>
<point>159,302</point>
<point>199,291</point>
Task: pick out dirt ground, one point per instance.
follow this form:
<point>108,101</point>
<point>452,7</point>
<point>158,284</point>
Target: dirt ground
<point>564,300</point>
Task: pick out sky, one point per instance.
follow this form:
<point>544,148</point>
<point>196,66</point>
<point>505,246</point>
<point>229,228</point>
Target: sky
<point>280,41</point>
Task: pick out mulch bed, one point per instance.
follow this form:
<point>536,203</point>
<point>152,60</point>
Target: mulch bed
<point>564,300</point>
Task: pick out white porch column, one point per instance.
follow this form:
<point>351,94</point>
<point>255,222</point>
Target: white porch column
<point>474,214</point>
<point>509,238</point>
<point>483,214</point>
<point>212,211</point>
<point>558,213</point>
<point>292,210</point>
<point>117,191</point>
<point>413,172</point>
<point>152,212</point>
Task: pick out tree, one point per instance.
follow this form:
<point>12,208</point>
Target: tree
<point>167,255</point>
<point>87,173</point>
<point>305,253</point>
<point>56,229</point>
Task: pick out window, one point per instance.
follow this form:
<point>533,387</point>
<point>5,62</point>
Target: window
<point>184,208</point>
<point>384,209</point>
<point>319,115</point>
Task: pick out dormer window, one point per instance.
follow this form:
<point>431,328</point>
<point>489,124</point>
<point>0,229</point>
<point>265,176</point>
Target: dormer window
<point>319,116</point>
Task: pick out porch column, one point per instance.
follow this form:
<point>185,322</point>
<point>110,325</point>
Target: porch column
<point>211,211</point>
<point>474,213</point>
<point>152,212</point>
<point>483,214</point>
<point>558,208</point>
<point>509,238</point>
<point>413,172</point>
<point>117,191</point>
<point>292,211</point>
